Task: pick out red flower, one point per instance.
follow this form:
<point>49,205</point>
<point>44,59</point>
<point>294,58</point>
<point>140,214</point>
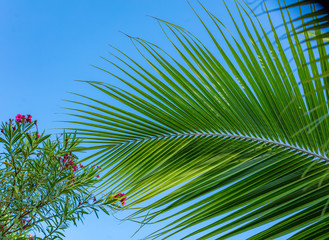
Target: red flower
<point>119,195</point>
<point>94,199</point>
<point>2,130</point>
<point>79,204</point>
<point>98,175</point>
<point>14,128</point>
<point>35,122</point>
<point>123,199</point>
<point>81,166</point>
<point>71,162</point>
<point>19,118</point>
<point>75,168</point>
<point>29,118</point>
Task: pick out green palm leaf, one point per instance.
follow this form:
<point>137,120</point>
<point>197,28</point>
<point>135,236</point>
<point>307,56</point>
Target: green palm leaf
<point>217,136</point>
<point>316,18</point>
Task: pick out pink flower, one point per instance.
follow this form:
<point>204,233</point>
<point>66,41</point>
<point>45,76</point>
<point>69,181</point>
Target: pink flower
<point>19,118</point>
<point>81,166</point>
<point>71,162</point>
<point>123,199</point>
<point>119,195</point>
<point>29,118</point>
<point>75,168</point>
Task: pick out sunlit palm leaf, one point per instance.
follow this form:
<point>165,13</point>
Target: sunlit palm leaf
<point>229,135</point>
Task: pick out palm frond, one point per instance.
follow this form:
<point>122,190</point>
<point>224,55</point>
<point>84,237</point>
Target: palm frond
<point>314,19</point>
<point>220,136</point>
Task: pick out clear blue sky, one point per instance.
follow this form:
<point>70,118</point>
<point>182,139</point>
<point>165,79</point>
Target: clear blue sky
<point>46,45</point>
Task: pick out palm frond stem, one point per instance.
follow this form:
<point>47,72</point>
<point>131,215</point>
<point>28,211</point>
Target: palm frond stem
<point>294,148</point>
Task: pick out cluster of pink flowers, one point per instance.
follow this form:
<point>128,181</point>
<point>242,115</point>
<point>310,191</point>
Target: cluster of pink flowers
<point>68,161</point>
<point>22,118</point>
<point>123,199</point>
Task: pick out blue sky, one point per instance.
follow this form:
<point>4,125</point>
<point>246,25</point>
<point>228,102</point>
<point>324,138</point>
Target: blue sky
<point>46,45</point>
